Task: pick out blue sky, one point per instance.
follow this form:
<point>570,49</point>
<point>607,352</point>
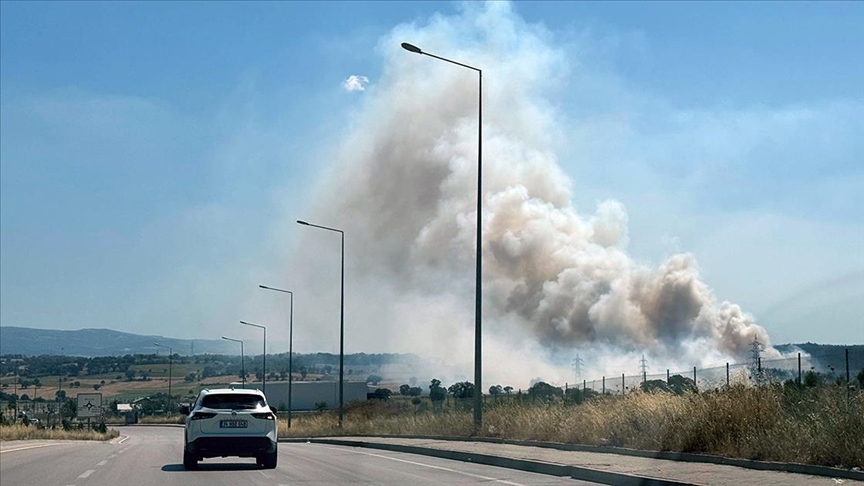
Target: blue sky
<point>155,154</point>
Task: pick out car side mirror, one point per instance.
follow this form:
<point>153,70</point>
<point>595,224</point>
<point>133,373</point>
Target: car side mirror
<point>184,409</point>
<point>274,410</point>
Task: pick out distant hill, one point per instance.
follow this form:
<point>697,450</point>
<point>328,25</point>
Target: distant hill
<point>107,342</point>
<point>828,356</point>
<point>99,342</point>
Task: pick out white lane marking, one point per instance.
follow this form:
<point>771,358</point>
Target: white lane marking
<point>27,447</point>
<point>124,439</point>
<point>112,456</point>
<point>485,478</point>
<point>86,474</point>
<point>265,474</point>
<point>101,463</point>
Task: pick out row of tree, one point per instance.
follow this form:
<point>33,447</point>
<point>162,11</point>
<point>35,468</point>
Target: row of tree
<point>31,367</point>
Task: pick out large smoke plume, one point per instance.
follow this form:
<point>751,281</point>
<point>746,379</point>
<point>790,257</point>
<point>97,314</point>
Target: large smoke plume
<point>554,280</point>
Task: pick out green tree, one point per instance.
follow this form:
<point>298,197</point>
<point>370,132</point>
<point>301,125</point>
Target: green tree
<point>404,389</point>
<point>415,391</point>
<point>437,393</point>
<point>382,393</point>
<point>69,410</point>
<point>495,390</point>
<point>463,389</point>
<point>812,379</point>
<point>373,380</point>
<point>544,391</point>
<point>655,385</point>
<point>682,384</point>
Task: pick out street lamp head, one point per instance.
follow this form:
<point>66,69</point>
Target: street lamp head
<point>302,222</point>
<point>264,287</point>
<point>412,48</point>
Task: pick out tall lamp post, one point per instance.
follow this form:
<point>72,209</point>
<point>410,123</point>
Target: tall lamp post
<point>478,395</point>
<point>290,344</point>
<point>341,320</point>
<point>170,356</point>
<point>264,365</point>
<point>242,359</point>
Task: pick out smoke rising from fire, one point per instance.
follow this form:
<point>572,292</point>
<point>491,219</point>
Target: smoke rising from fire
<point>553,279</point>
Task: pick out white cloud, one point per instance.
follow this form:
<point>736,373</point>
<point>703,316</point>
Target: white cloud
<point>355,83</point>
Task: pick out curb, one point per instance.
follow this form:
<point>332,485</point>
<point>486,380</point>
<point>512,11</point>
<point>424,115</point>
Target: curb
<point>812,470</point>
<point>560,470</point>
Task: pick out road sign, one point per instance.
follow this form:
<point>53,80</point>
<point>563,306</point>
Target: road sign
<point>89,405</point>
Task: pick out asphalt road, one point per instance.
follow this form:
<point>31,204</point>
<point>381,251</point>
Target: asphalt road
<point>152,456</point>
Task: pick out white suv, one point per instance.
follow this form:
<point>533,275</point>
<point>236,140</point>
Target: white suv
<point>229,422</point>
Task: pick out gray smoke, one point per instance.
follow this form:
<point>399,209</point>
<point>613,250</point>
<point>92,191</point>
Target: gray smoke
<point>406,195</point>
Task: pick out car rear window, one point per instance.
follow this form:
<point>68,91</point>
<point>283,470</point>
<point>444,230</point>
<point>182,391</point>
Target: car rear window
<point>232,402</point>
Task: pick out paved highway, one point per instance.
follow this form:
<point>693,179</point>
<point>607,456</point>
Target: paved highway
<point>152,456</point>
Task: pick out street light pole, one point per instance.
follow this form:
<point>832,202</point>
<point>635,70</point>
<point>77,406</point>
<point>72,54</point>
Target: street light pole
<point>341,320</point>
<point>290,344</point>
<point>264,364</point>
<point>170,357</point>
<point>478,388</point>
<point>242,365</point>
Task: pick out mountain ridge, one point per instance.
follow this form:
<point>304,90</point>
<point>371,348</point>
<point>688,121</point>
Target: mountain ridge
<point>90,342</point>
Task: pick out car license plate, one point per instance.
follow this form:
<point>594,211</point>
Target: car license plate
<point>233,424</point>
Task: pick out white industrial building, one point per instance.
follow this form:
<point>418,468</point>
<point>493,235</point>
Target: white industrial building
<point>305,394</point>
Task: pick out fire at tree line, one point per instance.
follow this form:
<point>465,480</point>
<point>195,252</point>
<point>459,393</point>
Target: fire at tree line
<point>21,378</point>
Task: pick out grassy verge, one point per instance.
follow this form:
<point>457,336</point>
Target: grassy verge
<point>22,432</point>
<point>823,426</point>
<point>163,419</point>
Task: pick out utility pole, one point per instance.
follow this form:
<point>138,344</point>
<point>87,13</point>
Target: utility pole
<point>15,392</point>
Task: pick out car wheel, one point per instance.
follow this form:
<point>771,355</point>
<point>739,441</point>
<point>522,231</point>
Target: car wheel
<point>189,461</point>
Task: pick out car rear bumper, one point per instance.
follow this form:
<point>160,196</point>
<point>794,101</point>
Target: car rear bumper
<point>230,446</point>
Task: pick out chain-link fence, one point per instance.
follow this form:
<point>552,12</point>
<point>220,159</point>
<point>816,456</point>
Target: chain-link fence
<point>844,367</point>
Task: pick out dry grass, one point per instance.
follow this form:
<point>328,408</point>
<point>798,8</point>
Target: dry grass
<point>175,418</point>
<point>822,426</point>
<point>22,432</point>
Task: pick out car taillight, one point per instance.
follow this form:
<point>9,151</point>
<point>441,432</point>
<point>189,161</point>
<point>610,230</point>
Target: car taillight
<point>202,415</point>
<point>264,416</point>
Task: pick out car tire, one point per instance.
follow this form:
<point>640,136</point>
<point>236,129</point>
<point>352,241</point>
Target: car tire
<point>269,460</point>
<point>190,462</point>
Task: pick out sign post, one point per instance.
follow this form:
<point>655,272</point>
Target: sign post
<point>89,406</point>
